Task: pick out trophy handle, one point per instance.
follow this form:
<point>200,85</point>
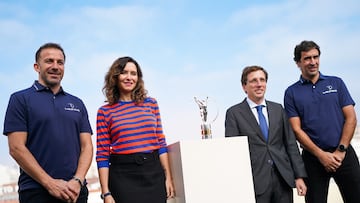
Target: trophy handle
<point>216,116</point>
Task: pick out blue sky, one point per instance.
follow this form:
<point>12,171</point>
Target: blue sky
<point>185,48</point>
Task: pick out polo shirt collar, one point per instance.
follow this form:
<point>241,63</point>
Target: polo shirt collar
<point>305,81</point>
<point>39,87</point>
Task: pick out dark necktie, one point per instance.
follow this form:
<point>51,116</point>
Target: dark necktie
<point>262,122</point>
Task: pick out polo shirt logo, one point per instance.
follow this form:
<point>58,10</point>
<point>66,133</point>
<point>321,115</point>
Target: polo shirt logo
<point>71,107</point>
<point>329,90</point>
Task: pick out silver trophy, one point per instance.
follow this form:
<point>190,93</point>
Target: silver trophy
<point>205,125</point>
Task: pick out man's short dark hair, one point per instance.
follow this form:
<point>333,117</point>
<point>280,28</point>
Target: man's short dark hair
<point>48,45</point>
<point>304,46</point>
<point>249,69</point>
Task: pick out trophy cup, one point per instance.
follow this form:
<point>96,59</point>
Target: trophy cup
<point>205,125</point>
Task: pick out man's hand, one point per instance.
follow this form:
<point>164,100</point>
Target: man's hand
<point>63,190</point>
<point>300,187</point>
<point>74,187</point>
<point>331,161</point>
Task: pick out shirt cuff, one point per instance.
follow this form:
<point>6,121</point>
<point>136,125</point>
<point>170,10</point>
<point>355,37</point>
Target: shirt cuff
<point>102,164</point>
<point>163,150</point>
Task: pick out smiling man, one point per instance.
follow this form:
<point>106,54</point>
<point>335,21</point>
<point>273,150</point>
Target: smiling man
<point>49,135</point>
<point>275,158</point>
<point>321,112</point>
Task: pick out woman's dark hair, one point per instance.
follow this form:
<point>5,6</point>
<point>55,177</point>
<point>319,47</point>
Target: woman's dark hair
<point>111,88</point>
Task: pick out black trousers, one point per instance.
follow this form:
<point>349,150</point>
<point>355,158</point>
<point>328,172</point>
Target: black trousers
<point>137,178</point>
<point>347,177</point>
<point>41,195</point>
<point>278,192</point>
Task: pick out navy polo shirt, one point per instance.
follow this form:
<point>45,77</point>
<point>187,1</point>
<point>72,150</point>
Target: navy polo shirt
<point>53,123</point>
<point>319,107</point>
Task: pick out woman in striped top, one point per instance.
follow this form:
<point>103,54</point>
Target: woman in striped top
<point>131,155</point>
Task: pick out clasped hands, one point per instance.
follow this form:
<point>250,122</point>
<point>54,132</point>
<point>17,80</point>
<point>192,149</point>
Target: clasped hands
<point>332,161</point>
<point>67,191</point>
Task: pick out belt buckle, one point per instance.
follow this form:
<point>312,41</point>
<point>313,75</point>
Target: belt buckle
<point>140,159</point>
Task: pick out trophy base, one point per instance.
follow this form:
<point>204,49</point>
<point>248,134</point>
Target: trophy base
<point>206,136</point>
<point>206,131</point>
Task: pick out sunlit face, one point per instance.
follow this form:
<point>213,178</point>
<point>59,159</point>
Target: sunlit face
<point>255,86</point>
<point>50,67</point>
<point>309,64</point>
<point>128,78</point>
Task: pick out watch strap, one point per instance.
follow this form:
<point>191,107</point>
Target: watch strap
<point>105,195</point>
<point>79,181</point>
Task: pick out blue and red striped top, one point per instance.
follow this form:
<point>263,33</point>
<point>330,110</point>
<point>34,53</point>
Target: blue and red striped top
<point>126,128</point>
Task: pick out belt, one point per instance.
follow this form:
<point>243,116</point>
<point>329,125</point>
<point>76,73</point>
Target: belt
<point>138,158</point>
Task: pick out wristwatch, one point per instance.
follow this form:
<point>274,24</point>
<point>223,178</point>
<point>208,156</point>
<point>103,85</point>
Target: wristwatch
<point>342,148</point>
<point>79,181</point>
<point>102,196</point>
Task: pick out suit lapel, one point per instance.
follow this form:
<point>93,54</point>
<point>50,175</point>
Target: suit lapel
<point>250,118</point>
<point>271,116</point>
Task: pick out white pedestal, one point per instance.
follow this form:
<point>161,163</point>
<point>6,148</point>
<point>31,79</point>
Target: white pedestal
<point>212,171</point>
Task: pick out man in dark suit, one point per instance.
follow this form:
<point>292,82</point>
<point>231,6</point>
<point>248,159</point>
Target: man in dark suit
<point>277,166</point>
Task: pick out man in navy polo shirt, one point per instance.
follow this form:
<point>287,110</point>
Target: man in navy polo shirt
<point>49,135</point>
<point>321,113</point>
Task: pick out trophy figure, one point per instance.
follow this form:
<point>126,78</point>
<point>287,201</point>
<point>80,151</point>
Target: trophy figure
<point>205,125</point>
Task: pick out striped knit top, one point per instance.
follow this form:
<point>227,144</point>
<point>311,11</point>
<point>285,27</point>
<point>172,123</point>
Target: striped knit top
<point>126,128</point>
